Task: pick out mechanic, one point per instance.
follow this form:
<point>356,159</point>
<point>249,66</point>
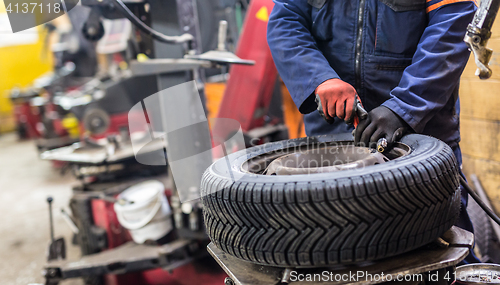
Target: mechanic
<point>402,58</point>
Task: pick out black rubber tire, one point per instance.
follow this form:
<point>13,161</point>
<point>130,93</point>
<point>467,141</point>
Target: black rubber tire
<point>332,218</point>
<point>483,231</point>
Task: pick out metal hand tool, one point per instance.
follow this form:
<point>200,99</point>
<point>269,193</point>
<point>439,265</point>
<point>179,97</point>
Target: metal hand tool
<point>361,113</point>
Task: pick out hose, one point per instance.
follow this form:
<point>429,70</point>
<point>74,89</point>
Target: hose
<point>479,201</point>
<point>149,31</point>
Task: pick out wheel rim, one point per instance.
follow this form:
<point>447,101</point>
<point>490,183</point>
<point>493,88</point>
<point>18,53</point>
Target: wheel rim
<point>321,158</point>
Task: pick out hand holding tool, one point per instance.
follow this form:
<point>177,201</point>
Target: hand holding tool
<point>354,115</point>
<point>382,122</point>
<point>361,113</point>
<point>336,98</point>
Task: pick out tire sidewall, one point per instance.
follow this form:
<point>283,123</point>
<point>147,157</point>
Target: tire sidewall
<point>422,147</point>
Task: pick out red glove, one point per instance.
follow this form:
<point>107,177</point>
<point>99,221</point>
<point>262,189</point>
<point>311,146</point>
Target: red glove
<point>337,99</point>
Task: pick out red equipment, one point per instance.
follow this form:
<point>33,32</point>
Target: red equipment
<point>193,273</point>
<point>27,116</point>
<point>27,119</point>
<point>250,88</point>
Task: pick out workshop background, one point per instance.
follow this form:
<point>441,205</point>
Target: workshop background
<point>31,124</point>
<point>26,180</point>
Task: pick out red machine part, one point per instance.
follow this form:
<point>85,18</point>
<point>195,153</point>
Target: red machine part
<point>250,88</point>
<point>51,112</point>
<point>104,217</point>
<point>28,117</point>
<point>117,122</point>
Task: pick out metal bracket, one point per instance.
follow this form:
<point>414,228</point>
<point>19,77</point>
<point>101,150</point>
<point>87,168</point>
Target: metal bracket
<point>478,34</point>
<point>482,55</point>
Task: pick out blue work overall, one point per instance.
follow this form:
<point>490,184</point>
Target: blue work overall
<point>407,55</point>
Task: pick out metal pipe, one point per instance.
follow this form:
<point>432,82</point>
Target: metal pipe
<point>480,202</point>
<point>222,36</point>
<point>70,222</point>
<point>51,222</point>
<point>185,38</point>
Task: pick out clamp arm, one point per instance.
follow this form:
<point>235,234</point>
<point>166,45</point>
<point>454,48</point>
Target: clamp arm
<point>478,34</point>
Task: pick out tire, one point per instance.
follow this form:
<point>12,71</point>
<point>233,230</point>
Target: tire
<point>483,231</point>
<point>341,217</point>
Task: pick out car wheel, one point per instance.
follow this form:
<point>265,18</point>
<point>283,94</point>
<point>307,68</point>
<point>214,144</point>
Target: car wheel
<point>266,206</point>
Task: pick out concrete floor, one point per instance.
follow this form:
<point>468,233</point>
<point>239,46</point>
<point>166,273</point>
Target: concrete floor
<point>25,183</point>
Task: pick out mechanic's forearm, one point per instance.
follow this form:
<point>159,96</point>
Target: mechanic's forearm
<point>427,84</point>
<point>301,65</point>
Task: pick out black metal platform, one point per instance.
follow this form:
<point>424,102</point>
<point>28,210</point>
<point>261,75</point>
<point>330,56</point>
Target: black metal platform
<point>129,257</point>
<point>452,248</point>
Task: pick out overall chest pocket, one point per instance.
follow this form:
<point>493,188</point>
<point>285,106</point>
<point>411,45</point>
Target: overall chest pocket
<point>322,19</point>
<point>404,5</point>
<point>400,24</point>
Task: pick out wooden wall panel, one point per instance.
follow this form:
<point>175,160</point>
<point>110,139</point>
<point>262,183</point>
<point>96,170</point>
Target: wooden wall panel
<point>488,173</point>
<point>480,99</point>
<point>480,139</point>
<point>480,122</point>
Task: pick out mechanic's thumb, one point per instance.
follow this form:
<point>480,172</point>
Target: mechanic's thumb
<point>321,110</point>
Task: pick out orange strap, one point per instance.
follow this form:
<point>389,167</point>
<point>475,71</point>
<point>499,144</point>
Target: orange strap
<point>445,2</point>
<point>356,121</point>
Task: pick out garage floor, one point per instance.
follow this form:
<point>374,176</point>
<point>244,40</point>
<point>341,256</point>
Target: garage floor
<point>25,183</point>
